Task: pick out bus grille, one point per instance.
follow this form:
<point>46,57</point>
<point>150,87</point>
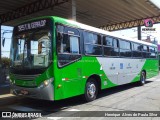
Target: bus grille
<point>25,77</point>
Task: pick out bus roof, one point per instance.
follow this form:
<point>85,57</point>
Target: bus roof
<point>93,29</point>
<point>90,28</point>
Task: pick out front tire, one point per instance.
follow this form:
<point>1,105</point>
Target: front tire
<point>91,90</point>
<point>143,78</point>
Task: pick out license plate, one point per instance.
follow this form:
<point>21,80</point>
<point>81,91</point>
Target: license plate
<point>24,92</point>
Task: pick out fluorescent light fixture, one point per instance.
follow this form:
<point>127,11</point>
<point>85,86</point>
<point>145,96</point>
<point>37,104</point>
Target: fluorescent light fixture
<point>156,3</point>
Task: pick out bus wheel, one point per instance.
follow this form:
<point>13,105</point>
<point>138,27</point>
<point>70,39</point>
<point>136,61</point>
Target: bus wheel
<point>143,78</point>
<point>91,90</point>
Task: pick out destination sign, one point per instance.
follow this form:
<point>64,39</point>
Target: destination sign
<point>32,25</point>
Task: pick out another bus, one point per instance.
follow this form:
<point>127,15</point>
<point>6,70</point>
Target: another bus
<point>55,58</point>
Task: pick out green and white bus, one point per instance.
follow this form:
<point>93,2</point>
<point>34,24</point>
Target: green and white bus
<point>55,58</point>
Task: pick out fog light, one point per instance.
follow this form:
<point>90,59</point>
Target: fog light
<point>59,86</point>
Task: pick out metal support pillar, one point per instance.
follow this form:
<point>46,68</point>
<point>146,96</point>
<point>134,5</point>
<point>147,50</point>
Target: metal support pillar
<point>0,46</point>
<point>139,33</point>
<point>1,80</point>
<point>74,10</point>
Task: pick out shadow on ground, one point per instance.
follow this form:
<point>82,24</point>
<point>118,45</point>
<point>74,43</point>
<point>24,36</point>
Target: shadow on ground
<point>4,88</point>
<point>49,107</point>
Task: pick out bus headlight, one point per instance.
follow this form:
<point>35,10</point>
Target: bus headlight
<point>46,82</point>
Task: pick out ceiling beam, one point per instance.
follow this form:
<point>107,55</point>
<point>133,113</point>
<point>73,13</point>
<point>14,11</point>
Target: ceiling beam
<point>31,8</point>
<point>128,24</point>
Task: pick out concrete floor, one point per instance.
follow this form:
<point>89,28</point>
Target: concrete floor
<point>129,97</point>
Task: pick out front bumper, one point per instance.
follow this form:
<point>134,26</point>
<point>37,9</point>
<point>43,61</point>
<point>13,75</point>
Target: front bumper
<point>46,93</point>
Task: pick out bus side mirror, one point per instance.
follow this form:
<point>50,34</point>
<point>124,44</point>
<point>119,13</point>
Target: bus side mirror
<point>3,41</point>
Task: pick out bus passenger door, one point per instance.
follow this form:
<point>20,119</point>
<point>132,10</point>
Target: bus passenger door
<point>69,62</point>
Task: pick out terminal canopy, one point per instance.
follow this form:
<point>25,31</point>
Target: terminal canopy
<point>107,14</point>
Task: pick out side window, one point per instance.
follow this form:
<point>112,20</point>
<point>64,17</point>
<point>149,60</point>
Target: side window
<point>145,48</point>
<point>74,45</point>
<point>136,47</point>
<point>125,45</point>
<point>110,46</point>
<point>115,43</point>
<point>152,52</point>
<point>136,50</point>
<point>156,52</point>
<point>145,51</point>
<point>68,45</point>
<point>108,41</point>
<point>125,48</point>
<point>115,51</point>
<point>92,43</point>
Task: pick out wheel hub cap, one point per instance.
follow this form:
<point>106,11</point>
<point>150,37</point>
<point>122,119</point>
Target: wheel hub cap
<point>91,90</point>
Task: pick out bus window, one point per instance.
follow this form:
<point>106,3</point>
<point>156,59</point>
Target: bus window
<point>108,51</point>
<point>92,38</point>
<point>156,52</point>
<point>115,43</point>
<point>136,50</point>
<point>68,47</point>
<point>125,48</point>
<point>93,50</point>
<point>145,48</point>
<point>152,52</point>
<point>108,41</point>
<point>145,51</point>
<point>125,45</point>
<point>110,46</point>
<point>74,45</point>
<point>115,51</point>
<point>92,43</point>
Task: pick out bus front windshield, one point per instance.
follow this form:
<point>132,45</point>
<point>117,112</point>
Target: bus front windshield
<point>31,49</point>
